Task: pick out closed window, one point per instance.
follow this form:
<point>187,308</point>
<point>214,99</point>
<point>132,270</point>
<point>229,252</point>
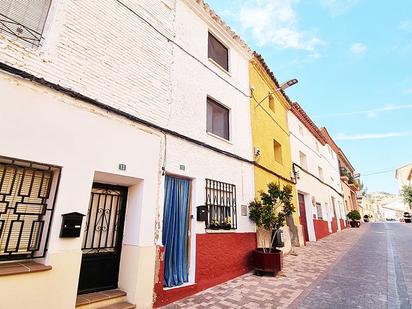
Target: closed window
<point>277,149</point>
<point>320,170</point>
<point>218,52</point>
<point>272,103</point>
<point>300,131</point>
<point>217,119</point>
<point>24,19</point>
<point>303,160</point>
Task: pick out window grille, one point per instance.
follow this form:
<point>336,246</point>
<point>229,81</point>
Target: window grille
<point>319,211</point>
<point>221,205</point>
<point>24,19</point>
<point>26,208</point>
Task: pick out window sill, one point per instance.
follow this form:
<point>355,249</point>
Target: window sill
<point>210,231</point>
<point>16,268</point>
<point>220,138</point>
<point>222,69</point>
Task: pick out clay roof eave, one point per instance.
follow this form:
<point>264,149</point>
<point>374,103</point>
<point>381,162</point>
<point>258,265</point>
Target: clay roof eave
<point>298,111</point>
<point>272,77</point>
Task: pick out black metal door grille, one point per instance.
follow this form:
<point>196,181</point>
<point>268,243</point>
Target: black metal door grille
<point>25,210</point>
<point>102,238</point>
<point>221,205</point>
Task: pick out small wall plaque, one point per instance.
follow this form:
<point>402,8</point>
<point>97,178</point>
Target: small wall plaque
<point>122,167</point>
<point>243,210</point>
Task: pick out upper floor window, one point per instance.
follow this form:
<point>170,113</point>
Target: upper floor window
<point>24,19</point>
<point>300,131</point>
<point>277,148</point>
<point>303,160</point>
<point>320,170</point>
<point>217,119</point>
<point>319,211</point>
<point>218,52</point>
<point>272,103</point>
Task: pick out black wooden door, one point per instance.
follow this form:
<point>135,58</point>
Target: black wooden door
<point>102,239</point>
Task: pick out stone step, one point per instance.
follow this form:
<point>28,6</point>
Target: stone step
<point>101,299</point>
<point>122,305</point>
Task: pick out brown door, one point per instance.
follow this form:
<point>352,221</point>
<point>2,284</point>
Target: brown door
<point>302,217</point>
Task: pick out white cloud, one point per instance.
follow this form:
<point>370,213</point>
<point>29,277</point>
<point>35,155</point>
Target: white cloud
<point>355,137</point>
<point>370,113</point>
<point>276,22</point>
<point>338,7</point>
<point>406,25</point>
<point>358,48</point>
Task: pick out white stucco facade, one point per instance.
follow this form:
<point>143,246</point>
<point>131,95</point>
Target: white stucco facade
<point>47,127</point>
<point>318,178</point>
<point>150,63</point>
<point>193,81</point>
<point>107,52</point>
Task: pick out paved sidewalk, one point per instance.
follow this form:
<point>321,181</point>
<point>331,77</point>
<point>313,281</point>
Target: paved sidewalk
<point>250,291</point>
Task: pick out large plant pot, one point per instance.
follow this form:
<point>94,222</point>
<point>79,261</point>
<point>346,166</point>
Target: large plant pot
<point>354,223</point>
<point>267,262</point>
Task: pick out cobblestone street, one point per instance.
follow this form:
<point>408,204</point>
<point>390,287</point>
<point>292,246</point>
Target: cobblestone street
<point>302,273</point>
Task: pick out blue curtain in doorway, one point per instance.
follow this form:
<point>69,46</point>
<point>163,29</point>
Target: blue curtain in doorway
<point>175,229</point>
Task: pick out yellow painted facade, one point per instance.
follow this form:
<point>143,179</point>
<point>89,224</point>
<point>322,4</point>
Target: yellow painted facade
<point>270,131</point>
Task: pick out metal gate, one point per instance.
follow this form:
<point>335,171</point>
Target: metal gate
<point>102,239</point>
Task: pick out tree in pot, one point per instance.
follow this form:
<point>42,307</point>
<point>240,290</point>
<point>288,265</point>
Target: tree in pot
<point>269,212</point>
<point>354,217</point>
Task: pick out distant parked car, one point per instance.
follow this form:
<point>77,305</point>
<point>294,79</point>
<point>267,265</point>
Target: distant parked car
<point>401,220</point>
<point>407,217</point>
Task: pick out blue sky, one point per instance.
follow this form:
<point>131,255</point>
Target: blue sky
<point>353,59</point>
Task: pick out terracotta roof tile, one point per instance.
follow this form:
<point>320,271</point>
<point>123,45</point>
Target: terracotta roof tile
<point>298,111</point>
<point>270,73</point>
<point>223,24</point>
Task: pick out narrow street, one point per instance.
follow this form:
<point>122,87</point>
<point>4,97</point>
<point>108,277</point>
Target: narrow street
<point>368,267</point>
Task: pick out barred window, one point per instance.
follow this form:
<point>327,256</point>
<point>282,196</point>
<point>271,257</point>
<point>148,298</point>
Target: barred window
<point>26,207</point>
<point>221,205</point>
<point>319,211</point>
<point>24,19</point>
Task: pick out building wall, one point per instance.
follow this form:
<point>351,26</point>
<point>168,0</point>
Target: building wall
<point>193,80</point>
<point>87,50</point>
<point>269,125</point>
<point>302,140</point>
<point>48,127</point>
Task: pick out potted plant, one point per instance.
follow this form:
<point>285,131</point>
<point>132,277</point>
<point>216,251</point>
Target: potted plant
<point>214,225</point>
<point>269,213</point>
<point>227,225</point>
<point>354,217</point>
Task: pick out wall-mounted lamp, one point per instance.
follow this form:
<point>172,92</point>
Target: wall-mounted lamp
<point>282,87</point>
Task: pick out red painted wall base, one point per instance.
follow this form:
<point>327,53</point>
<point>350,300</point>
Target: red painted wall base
<point>219,258</point>
<point>342,224</point>
<point>334,225</point>
<point>321,228</point>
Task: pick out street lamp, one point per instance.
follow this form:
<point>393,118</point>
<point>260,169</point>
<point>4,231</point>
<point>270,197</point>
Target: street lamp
<point>282,87</point>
